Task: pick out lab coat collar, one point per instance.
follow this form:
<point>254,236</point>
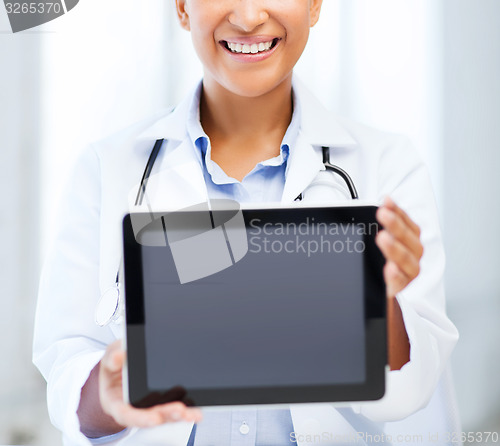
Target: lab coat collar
<point>171,126</point>
<point>319,126</point>
<point>303,165</point>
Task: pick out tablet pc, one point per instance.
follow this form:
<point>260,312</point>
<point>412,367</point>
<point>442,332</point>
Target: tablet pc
<point>254,306</point>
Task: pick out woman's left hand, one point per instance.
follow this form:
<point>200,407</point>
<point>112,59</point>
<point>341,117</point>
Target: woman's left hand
<point>400,243</point>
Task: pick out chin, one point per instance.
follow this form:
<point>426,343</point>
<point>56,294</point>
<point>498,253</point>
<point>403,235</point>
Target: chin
<point>255,86</point>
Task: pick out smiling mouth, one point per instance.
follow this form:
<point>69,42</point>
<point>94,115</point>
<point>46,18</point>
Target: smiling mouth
<point>254,48</point>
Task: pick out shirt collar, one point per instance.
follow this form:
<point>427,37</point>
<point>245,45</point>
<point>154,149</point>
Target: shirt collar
<point>193,122</point>
<point>293,129</point>
<point>317,125</point>
<point>200,139</point>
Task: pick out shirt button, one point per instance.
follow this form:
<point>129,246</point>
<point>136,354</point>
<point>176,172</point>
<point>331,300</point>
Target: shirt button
<point>244,429</point>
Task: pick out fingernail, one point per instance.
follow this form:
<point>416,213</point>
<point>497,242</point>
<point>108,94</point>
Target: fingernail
<point>175,416</point>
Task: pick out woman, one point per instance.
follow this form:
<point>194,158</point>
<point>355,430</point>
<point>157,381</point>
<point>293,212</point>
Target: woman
<point>249,132</point>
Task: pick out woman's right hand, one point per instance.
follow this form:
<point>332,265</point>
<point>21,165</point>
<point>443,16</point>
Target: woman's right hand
<point>111,397</point>
<point>102,410</point>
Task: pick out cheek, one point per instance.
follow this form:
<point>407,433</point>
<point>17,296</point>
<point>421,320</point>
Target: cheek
<point>298,36</point>
<point>203,41</point>
<point>297,21</point>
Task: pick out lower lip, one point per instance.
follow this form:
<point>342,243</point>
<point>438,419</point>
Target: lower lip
<point>250,58</point>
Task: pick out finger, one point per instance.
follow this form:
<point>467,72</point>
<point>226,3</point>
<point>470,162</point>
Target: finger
<point>176,411</point>
<point>391,204</point>
<point>110,350</point>
<point>154,416</point>
<point>113,360</point>
<point>127,415</point>
<point>194,414</point>
<point>117,345</point>
<point>397,227</point>
<point>110,392</point>
<point>395,279</point>
<point>395,251</point>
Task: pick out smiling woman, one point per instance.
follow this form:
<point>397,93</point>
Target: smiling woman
<point>250,132</point>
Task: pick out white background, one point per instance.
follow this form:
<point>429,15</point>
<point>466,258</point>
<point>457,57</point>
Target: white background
<point>426,68</point>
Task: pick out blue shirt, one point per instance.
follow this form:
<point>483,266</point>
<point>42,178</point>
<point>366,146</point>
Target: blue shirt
<point>266,181</point>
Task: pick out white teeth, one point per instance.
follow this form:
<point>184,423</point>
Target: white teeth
<point>247,49</point>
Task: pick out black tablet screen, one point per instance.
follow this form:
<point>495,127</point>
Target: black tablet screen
<point>289,313</point>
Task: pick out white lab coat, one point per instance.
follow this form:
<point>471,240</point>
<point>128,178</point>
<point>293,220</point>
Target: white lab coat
<point>86,253</point>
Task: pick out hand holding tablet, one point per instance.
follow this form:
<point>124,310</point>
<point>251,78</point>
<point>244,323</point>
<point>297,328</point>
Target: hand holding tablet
<point>113,404</point>
<point>299,318</point>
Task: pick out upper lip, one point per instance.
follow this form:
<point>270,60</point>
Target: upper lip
<point>249,40</point>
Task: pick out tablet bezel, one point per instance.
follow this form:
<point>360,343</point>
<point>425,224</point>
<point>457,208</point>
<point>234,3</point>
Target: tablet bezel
<point>135,373</point>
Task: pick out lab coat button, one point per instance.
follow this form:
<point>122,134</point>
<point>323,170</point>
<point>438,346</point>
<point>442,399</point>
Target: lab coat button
<point>244,429</point>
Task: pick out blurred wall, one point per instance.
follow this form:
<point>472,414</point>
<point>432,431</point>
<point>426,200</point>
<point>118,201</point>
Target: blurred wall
<point>104,67</point>
<point>471,203</point>
<point>23,415</point>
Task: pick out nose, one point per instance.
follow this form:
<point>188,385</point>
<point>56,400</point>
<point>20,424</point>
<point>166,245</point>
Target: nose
<point>248,14</point>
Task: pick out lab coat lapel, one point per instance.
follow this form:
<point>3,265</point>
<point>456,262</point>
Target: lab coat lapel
<point>304,164</point>
<point>176,183</point>
<point>180,178</point>
<point>319,127</point>
<point>177,180</point>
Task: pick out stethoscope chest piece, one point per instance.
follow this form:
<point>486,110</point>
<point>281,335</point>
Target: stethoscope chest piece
<point>107,309</point>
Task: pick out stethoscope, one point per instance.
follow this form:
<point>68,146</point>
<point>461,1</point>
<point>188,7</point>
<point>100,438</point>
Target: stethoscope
<point>110,306</point>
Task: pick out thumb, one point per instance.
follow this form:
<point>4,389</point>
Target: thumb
<point>114,358</point>
<point>116,361</point>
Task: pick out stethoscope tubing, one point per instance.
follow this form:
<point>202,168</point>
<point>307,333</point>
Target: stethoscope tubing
<point>345,176</point>
<point>147,172</point>
<point>142,192</point>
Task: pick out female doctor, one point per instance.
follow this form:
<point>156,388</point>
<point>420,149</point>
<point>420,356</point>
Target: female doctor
<point>252,132</point>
